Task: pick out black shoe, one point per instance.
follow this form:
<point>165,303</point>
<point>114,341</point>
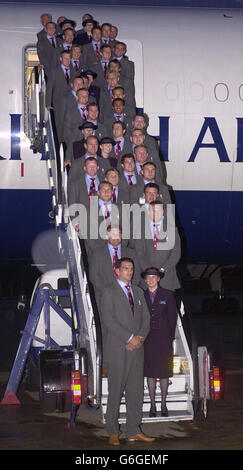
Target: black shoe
<point>152,412</point>
<point>164,412</point>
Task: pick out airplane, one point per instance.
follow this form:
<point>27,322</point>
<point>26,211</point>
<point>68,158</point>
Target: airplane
<point>189,83</point>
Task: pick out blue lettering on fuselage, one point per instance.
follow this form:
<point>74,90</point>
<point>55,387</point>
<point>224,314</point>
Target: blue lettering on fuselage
<point>209,123</point>
<point>218,143</point>
<point>239,156</point>
<point>15,138</point>
<point>15,143</point>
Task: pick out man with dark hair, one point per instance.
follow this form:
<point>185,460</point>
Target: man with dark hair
<point>148,182</point>
<point>48,47</point>
<point>75,117</point>
<point>158,243</point>
<point>57,85</point>
<point>122,145</point>
<point>120,50</point>
<point>91,51</point>
<point>67,38</point>
<point>118,114</point>
<point>86,186</point>
<point>105,33</point>
<point>119,195</point>
<point>91,146</point>
<point>77,59</point>
<point>103,261</point>
<point>125,322</point>
<point>127,168</point>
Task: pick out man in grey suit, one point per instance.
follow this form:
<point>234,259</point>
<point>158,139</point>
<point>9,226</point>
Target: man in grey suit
<point>77,63</point>
<point>48,47</point>
<point>44,19</point>
<point>101,214</point>
<point>103,262</point>
<point>106,97</point>
<point>118,115</point>
<point>119,195</point>
<point>140,122</point>
<point>76,116</point>
<point>147,184</point>
<point>77,168</point>
<point>126,323</point>
<point>100,67</point>
<point>128,173</point>
<point>86,186</point>
<point>127,65</point>
<point>157,243</point>
<point>91,51</point>
<point>122,144</point>
<point>142,155</point>
<point>57,86</point>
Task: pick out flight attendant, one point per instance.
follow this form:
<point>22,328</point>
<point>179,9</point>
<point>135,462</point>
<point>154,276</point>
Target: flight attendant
<point>158,346</point>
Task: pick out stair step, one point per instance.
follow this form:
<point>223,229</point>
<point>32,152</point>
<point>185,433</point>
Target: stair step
<point>178,415</point>
<point>178,402</point>
<point>177,384</point>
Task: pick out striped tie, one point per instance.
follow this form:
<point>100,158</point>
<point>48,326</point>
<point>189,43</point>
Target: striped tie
<point>115,258</point>
<point>156,235</point>
<point>67,75</point>
<point>130,297</point>
<point>130,180</point>
<point>92,187</point>
<point>118,148</point>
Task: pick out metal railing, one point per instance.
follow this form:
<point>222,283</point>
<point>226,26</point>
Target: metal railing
<point>85,314</point>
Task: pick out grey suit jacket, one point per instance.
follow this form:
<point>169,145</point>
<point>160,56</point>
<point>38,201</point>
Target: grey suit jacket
<point>106,103</point>
<point>56,88</point>
<point>127,68</point>
<point>76,135</point>
<point>78,193</point>
<point>77,168</point>
<point>127,148</point>
<point>119,323</point>
<point>47,54</point>
<point>166,258</point>
<point>123,184</point>
<point>111,119</point>
<point>81,67</point>
<point>137,192</point>
<point>101,271</point>
<point>123,196</point>
<point>72,119</point>
<point>89,56</point>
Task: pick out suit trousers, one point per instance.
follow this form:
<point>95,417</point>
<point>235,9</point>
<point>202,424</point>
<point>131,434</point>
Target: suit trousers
<point>127,377</point>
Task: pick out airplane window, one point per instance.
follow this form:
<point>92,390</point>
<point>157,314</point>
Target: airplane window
<point>172,91</point>
<point>221,92</point>
<point>241,92</point>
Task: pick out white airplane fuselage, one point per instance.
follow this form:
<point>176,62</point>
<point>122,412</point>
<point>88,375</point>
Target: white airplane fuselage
<point>188,66</point>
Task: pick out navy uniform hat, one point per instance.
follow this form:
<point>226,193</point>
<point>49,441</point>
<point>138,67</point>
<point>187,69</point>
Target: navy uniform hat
<point>107,140</point>
<point>89,20</point>
<point>73,23</point>
<point>88,125</point>
<point>152,272</point>
<point>88,72</point>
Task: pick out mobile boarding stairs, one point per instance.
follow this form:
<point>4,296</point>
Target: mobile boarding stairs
<point>191,366</point>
